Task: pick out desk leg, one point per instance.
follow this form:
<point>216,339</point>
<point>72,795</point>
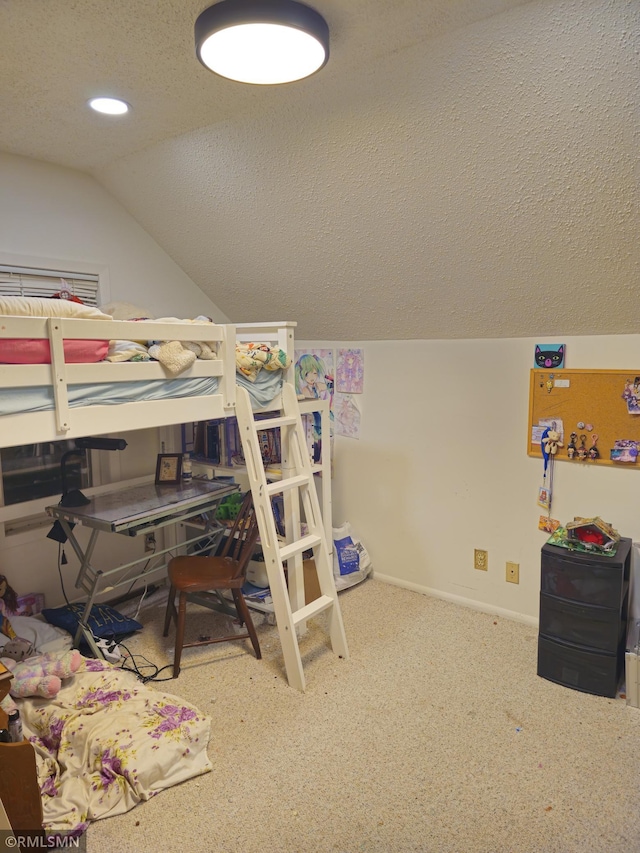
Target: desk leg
<point>88,579</point>
<point>83,580</point>
<point>83,626</point>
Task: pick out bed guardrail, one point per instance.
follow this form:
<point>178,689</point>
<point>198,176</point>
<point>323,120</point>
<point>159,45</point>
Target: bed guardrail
<point>59,375</point>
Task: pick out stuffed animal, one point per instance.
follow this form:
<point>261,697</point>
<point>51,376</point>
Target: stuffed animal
<point>177,356</point>
<point>41,675</point>
<point>18,649</point>
<point>552,442</point>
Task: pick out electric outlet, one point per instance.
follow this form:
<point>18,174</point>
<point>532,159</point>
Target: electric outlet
<point>513,572</point>
<point>480,560</point>
<point>150,542</point>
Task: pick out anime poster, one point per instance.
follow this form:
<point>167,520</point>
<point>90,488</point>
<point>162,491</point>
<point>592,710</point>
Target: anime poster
<point>315,381</point>
<point>314,374</point>
<point>350,371</point>
<point>347,416</point>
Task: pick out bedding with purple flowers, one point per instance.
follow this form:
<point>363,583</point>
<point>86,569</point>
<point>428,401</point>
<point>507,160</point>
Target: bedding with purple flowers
<point>107,742</point>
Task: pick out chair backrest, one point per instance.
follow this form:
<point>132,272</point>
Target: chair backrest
<point>241,539</point>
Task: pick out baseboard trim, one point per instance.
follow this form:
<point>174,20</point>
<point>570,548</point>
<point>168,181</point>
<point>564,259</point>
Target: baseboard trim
<point>458,599</point>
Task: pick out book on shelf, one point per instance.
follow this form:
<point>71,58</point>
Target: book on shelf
<point>212,442</point>
<point>208,441</point>
<point>277,505</point>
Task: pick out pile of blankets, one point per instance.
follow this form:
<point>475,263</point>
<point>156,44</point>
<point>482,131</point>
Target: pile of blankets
<point>251,358</point>
<point>177,356</point>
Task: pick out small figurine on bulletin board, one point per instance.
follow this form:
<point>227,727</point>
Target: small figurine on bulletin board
<point>549,356</point>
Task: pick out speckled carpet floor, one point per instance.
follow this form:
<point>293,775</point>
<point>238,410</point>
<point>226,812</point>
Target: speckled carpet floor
<point>435,736</point>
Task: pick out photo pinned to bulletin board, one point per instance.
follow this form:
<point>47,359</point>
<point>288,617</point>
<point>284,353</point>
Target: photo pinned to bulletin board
<point>631,395</point>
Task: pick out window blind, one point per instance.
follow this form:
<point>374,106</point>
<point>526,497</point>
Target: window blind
<point>28,281</point>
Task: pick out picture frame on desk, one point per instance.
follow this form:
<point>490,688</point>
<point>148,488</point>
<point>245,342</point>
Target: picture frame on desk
<point>168,469</point>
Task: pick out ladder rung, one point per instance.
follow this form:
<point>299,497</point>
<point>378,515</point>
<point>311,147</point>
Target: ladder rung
<point>312,609</point>
<point>287,483</point>
<point>300,545</point>
<point>272,423</point>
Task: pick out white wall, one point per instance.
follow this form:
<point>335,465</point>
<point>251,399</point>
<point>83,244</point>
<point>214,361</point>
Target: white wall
<point>441,466</point>
<point>53,213</point>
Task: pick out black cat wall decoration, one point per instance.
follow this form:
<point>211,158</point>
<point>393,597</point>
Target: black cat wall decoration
<point>549,356</point>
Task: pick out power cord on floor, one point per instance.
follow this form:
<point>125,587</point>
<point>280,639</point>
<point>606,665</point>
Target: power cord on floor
<point>137,669</point>
<point>61,562</point>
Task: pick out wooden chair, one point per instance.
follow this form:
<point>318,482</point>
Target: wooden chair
<point>208,575</point>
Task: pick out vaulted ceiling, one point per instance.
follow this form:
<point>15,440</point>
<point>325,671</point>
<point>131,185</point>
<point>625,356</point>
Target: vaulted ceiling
<point>459,169</point>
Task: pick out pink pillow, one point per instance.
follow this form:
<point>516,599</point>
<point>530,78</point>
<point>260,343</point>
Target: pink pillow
<point>36,351</point>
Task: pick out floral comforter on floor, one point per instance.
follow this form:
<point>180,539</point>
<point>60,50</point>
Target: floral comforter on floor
<point>107,742</point>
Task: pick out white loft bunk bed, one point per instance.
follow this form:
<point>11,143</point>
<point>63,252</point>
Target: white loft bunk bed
<point>50,402</point>
<point>60,400</point>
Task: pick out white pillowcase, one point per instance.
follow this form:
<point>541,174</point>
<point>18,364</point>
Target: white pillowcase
<point>45,637</point>
<point>126,311</point>
<point>36,306</point>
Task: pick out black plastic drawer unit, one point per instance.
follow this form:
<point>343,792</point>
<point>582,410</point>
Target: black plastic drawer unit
<point>583,617</point>
<point>582,624</point>
<point>571,666</point>
<point>587,578</point>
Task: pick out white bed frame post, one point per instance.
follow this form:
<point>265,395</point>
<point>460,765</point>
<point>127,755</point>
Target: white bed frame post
<point>227,352</point>
<point>58,371</point>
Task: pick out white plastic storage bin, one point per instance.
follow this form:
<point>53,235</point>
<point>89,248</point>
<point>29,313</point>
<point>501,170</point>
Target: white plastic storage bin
<point>632,665</point>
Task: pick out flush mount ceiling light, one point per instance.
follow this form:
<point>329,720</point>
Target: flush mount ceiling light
<point>110,106</point>
<point>262,41</point>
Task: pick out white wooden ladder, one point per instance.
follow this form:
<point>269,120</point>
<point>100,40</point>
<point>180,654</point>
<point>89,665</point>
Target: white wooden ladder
<point>297,488</point>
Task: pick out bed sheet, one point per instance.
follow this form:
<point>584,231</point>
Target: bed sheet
<point>107,742</point>
<point>40,398</point>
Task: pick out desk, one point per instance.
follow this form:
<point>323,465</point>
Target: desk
<point>135,511</point>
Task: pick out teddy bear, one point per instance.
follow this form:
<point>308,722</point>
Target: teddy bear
<point>41,675</point>
<point>552,442</point>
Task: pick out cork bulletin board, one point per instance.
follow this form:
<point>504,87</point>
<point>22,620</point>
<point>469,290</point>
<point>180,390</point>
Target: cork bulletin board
<point>605,402</point>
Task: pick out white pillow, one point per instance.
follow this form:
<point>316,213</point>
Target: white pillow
<point>36,306</point>
<point>45,637</point>
<point>126,311</point>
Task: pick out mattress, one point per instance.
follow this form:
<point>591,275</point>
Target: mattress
<point>40,398</point>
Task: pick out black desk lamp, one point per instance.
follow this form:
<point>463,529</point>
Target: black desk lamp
<point>74,497</point>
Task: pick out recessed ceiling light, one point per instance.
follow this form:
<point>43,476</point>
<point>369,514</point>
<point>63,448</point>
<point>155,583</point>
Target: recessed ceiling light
<point>110,106</point>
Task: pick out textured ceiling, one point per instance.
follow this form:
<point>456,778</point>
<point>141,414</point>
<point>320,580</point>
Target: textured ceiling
<point>460,168</point>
